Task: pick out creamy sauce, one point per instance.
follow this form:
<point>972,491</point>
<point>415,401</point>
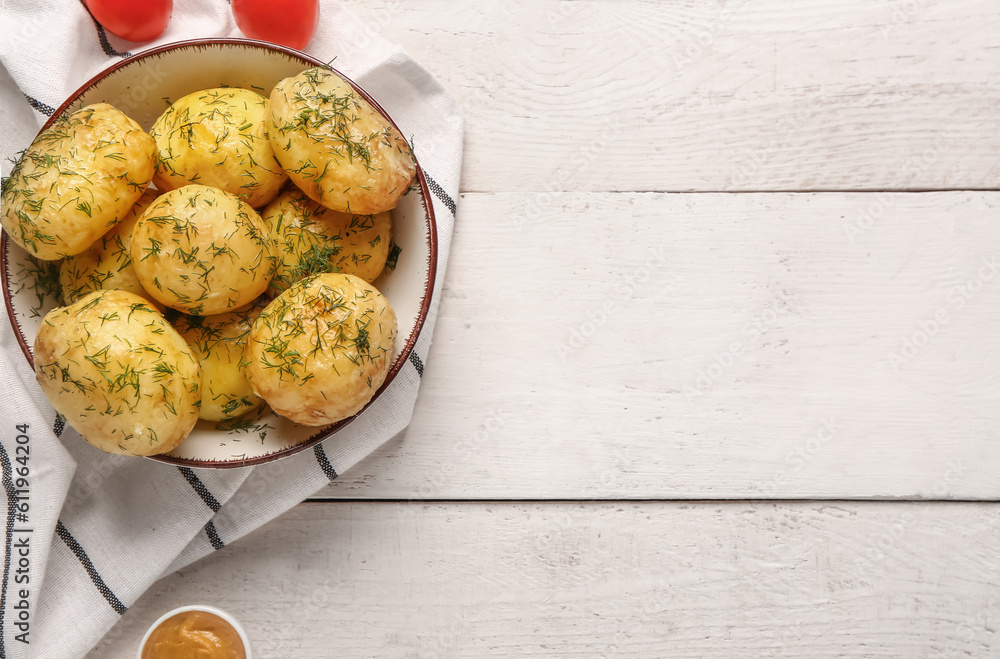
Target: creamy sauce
<point>194,635</point>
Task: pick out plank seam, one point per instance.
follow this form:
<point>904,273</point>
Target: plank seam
<point>698,501</point>
<point>781,191</point>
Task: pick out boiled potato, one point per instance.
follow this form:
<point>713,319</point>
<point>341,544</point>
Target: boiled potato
<point>218,342</point>
<point>119,373</point>
<point>106,264</point>
<point>202,251</point>
<point>218,137</point>
<point>313,239</point>
<point>336,146</point>
<point>321,349</point>
<point>77,180</point>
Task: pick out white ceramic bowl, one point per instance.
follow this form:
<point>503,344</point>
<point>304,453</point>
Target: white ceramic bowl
<point>199,607</point>
<point>139,86</point>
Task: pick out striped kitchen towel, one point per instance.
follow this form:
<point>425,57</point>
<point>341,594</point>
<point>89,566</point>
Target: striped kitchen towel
<point>87,532</point>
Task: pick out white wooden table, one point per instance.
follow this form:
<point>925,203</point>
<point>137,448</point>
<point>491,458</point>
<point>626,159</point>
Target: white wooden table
<point>717,371</point>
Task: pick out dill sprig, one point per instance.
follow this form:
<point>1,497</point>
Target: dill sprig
<point>42,279</point>
<point>393,259</point>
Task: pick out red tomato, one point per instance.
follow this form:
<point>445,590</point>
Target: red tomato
<point>286,22</point>
<point>132,20</point>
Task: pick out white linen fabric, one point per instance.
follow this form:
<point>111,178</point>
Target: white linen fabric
<point>87,532</point>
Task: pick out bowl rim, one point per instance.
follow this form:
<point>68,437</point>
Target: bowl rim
<point>432,244</point>
<point>228,617</point>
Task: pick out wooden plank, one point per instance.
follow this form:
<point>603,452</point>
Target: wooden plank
<point>666,346</point>
<point>639,580</point>
<point>733,95</point>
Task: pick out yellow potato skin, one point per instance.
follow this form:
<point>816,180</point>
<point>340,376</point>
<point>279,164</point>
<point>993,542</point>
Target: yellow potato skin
<point>218,137</point>
<point>335,145</point>
<point>218,342</point>
<point>106,264</point>
<point>75,181</point>
<point>320,350</point>
<point>202,251</point>
<point>119,373</point>
<point>311,239</point>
